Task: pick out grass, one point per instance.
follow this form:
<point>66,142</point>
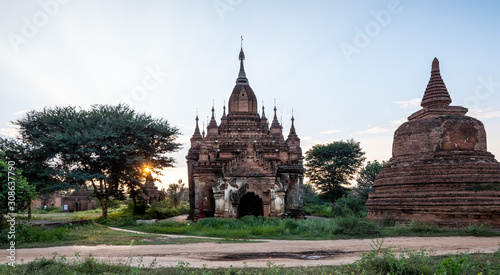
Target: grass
<point>89,234</point>
<point>250,227</point>
<point>377,261</point>
<point>57,214</point>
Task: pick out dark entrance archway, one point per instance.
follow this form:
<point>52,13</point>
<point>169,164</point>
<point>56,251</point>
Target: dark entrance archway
<point>250,204</point>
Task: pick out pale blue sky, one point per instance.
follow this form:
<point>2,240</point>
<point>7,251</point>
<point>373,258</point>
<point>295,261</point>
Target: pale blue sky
<point>99,52</point>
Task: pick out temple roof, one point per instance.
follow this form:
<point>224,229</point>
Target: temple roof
<point>243,100</point>
<point>436,100</point>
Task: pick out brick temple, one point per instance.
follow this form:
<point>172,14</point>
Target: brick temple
<point>244,166</point>
<point>440,171</point>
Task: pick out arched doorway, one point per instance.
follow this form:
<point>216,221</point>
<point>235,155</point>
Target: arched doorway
<point>250,204</point>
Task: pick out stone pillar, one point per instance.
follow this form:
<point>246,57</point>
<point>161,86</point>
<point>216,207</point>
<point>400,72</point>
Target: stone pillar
<point>219,204</point>
<point>266,209</point>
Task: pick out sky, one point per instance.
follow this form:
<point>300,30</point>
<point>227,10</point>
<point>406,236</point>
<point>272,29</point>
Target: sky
<point>347,69</point>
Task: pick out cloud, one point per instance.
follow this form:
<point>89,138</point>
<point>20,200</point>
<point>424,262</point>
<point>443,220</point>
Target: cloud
<point>412,103</point>
<point>331,131</point>
<point>9,132</point>
<point>484,114</point>
<point>382,129</point>
<point>22,112</point>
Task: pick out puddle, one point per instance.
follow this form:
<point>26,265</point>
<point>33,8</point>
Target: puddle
<point>306,255</point>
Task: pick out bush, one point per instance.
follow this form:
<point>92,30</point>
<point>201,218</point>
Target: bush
<point>165,209</point>
<point>118,219</point>
<point>357,227</point>
<point>352,205</point>
<point>32,234</point>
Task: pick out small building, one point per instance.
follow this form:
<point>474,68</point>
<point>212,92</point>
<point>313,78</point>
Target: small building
<point>47,200</point>
<point>244,166</point>
<point>79,200</point>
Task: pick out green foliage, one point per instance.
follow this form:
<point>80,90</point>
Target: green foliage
<point>366,177</point>
<point>313,204</point>
<point>166,209</point>
<point>107,146</point>
<point>30,234</point>
<point>175,192</point>
<point>452,266</point>
<point>479,230</point>
<point>331,166</point>
<point>16,193</point>
<point>416,227</point>
<point>112,204</point>
<point>379,260</point>
<point>351,205</point>
<point>354,226</point>
<point>383,260</point>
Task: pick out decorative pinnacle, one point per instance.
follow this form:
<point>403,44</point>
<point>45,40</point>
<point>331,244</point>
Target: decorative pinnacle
<point>436,93</point>
<point>242,77</point>
<point>435,65</point>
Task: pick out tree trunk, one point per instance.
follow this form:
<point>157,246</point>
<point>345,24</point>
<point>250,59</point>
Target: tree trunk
<point>29,209</point>
<point>104,207</point>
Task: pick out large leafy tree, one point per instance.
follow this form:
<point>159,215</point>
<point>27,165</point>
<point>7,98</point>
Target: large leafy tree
<point>367,176</point>
<point>106,147</point>
<point>331,167</point>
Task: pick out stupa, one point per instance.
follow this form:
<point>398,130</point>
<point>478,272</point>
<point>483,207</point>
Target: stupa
<point>440,171</point>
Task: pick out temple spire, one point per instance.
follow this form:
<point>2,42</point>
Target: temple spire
<point>436,93</point>
<point>292,128</point>
<point>242,77</point>
<point>275,125</point>
<point>197,128</point>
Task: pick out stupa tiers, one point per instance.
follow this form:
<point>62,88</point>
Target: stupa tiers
<point>243,166</point>
<point>440,171</point>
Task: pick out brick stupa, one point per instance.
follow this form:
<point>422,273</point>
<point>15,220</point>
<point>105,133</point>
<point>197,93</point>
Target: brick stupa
<point>440,171</point>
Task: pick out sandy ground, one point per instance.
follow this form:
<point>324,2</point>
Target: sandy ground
<point>280,252</point>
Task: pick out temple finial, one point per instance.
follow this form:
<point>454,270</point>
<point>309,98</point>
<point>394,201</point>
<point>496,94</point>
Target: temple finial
<point>242,77</point>
<point>435,64</point>
<point>436,93</point>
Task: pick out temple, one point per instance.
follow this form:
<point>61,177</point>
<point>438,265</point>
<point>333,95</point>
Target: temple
<point>244,166</point>
<point>440,171</point>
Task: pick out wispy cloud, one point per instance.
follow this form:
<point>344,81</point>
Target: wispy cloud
<point>9,132</point>
<point>22,112</point>
<point>331,131</point>
<point>484,114</point>
<point>412,103</point>
<point>382,129</point>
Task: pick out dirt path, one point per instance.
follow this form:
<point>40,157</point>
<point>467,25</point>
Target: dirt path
<point>289,253</point>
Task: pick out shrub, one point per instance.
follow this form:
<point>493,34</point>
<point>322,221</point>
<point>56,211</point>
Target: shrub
<point>165,209</point>
<point>352,205</point>
<point>479,230</point>
<point>354,226</point>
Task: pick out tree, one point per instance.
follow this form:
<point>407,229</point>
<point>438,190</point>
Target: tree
<point>15,191</point>
<point>366,177</point>
<point>175,192</point>
<point>106,147</point>
<point>331,167</point>
<point>31,161</point>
